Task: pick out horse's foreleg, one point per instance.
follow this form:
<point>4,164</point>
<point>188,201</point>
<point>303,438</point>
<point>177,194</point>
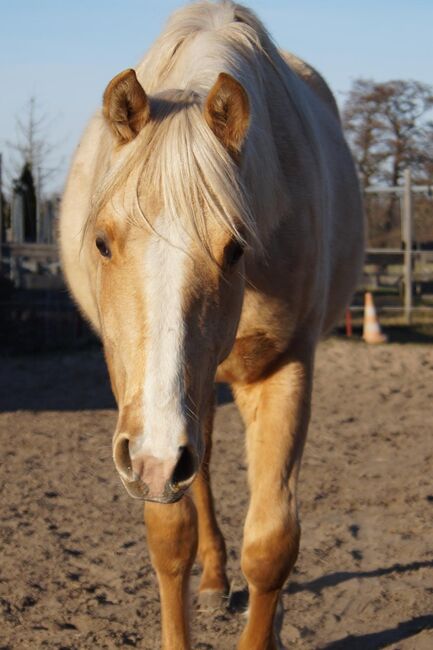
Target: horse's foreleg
<point>172,541</point>
<point>211,546</point>
<point>276,411</point>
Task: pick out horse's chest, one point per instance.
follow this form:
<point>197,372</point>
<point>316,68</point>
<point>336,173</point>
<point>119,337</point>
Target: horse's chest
<point>264,333</point>
<point>249,359</point>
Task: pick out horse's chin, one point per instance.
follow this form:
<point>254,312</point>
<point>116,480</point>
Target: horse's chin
<point>139,490</point>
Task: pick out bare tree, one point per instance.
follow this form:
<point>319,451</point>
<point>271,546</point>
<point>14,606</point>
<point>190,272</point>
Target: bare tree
<point>364,126</point>
<point>388,130</point>
<point>33,147</point>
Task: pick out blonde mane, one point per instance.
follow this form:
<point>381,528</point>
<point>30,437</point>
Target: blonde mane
<point>177,155</point>
<point>178,159</point>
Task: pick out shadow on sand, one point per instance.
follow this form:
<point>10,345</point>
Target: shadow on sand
<point>75,380</point>
<point>333,579</point>
<point>415,334</point>
<point>374,640</point>
<point>60,381</point>
<point>384,638</point>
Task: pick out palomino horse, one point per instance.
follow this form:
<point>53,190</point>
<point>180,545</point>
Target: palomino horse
<point>212,228</point>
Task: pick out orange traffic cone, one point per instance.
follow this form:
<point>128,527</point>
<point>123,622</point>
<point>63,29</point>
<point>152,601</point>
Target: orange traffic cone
<point>372,332</point>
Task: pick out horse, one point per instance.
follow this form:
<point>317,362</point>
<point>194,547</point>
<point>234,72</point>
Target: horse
<point>211,230</point>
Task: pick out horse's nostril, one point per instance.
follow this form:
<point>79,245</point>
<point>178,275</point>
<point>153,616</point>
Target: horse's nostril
<point>185,468</point>
<point>122,458</point>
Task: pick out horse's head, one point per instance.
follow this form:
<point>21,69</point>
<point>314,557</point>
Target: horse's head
<point>168,234</point>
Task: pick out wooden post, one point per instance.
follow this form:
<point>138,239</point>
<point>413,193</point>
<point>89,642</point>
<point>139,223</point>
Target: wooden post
<point>38,207</point>
<point>407,238</point>
<point>1,210</point>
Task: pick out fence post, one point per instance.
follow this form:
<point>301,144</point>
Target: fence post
<point>1,210</point>
<point>407,238</point>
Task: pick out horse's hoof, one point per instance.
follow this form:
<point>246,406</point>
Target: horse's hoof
<point>212,600</point>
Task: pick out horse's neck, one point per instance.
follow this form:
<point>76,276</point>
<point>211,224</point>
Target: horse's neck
<point>277,154</point>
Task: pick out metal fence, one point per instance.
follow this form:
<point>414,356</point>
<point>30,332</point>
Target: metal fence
<point>402,265</point>
<point>36,312</point>
<point>398,269</point>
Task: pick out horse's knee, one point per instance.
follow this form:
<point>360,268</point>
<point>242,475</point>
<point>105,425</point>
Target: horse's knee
<point>269,553</point>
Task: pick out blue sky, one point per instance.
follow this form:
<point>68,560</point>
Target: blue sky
<point>64,52</point>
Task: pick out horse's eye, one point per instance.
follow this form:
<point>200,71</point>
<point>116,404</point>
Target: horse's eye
<point>102,247</point>
<point>233,253</point>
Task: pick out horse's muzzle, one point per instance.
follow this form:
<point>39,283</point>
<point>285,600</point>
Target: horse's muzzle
<point>153,479</point>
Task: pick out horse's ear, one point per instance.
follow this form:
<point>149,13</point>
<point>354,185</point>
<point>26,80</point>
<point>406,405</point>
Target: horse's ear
<point>227,112</point>
<point>125,106</point>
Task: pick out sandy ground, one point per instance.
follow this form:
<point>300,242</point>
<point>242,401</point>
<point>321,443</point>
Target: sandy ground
<point>74,567</point>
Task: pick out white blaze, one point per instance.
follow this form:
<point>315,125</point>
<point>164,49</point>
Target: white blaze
<point>163,394</point>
